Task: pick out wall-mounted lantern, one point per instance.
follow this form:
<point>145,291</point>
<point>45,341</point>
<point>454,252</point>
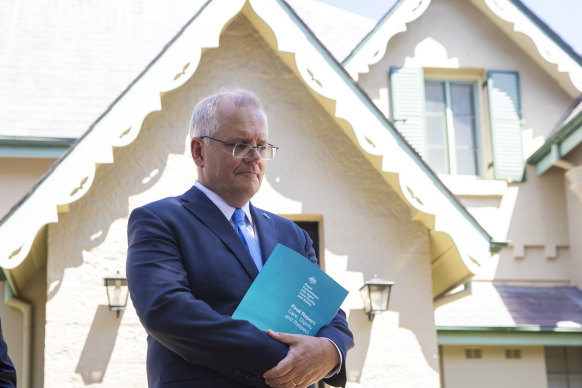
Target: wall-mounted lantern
<point>117,293</point>
<point>375,295</point>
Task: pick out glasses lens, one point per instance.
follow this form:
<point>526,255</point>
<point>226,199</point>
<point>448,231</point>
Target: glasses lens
<point>241,150</point>
<point>246,150</point>
<point>267,152</point>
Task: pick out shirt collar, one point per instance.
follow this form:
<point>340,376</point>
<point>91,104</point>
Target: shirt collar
<point>221,204</point>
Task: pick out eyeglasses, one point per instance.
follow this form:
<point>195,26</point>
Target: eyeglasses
<point>242,150</point>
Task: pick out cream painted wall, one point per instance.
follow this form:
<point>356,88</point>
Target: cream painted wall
<point>530,216</point>
<point>367,229</point>
<point>574,206</point>
<point>493,369</point>
<point>17,175</point>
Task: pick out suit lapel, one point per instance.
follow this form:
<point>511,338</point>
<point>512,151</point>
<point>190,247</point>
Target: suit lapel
<point>202,208</point>
<point>266,231</point>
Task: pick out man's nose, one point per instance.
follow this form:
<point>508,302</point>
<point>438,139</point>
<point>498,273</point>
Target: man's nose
<point>254,155</point>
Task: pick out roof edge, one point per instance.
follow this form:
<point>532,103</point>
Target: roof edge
<point>512,329</point>
<point>373,47</point>
<point>372,32</point>
<point>549,46</point>
<point>520,335</point>
<point>548,31</point>
<point>34,147</point>
<point>558,145</point>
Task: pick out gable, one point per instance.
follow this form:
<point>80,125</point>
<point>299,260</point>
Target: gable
<point>544,47</point>
<point>509,20</point>
<point>458,243</point>
<point>511,100</point>
<point>317,171</point>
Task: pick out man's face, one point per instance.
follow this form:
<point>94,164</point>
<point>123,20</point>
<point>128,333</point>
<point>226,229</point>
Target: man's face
<point>235,180</point>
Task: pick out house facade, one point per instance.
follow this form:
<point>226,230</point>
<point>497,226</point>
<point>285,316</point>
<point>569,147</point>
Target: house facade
<point>409,159</point>
<point>68,232</point>
<point>478,96</point>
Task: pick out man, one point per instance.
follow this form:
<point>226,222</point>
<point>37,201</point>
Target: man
<point>188,267</point>
<point>7,371</point>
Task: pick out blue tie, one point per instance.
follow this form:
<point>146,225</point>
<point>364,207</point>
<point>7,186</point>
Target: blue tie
<point>251,243</point>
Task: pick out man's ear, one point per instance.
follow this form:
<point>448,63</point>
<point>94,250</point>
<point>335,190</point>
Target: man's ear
<point>197,150</point>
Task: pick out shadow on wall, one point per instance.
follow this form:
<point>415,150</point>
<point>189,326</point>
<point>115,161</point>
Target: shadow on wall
<point>361,327</point>
<point>99,345</point>
<point>107,201</point>
<point>536,217</point>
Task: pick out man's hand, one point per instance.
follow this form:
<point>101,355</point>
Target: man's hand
<point>309,360</point>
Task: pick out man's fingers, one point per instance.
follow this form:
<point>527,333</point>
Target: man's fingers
<point>274,334</point>
<point>304,364</point>
<point>286,338</point>
<point>308,361</point>
<point>281,370</point>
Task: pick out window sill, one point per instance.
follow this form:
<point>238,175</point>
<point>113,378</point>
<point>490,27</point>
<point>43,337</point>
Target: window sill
<point>468,186</point>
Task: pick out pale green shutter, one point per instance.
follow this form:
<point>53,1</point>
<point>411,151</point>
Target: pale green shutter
<point>407,97</point>
<point>505,115</point>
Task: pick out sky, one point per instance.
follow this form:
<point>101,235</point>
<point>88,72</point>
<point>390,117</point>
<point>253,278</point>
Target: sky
<point>563,16</point>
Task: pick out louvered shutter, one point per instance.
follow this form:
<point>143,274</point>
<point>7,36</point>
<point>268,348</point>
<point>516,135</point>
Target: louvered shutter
<point>407,97</point>
<point>505,116</point>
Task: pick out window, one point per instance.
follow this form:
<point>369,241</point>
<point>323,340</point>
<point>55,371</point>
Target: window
<point>451,145</point>
<point>564,366</point>
<point>312,229</point>
<point>440,119</point>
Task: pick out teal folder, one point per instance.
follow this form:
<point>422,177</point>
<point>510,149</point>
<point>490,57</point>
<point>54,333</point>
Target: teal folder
<point>291,295</point>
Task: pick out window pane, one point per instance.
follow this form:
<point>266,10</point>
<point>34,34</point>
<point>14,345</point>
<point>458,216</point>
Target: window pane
<point>557,381</point>
<point>555,359</point>
<point>437,160</point>
<point>434,93</point>
<point>466,161</point>
<point>574,358</point>
<point>575,381</point>
<point>462,99</point>
<point>443,130</point>
<point>464,131</point>
<point>435,130</point>
<point>436,127</point>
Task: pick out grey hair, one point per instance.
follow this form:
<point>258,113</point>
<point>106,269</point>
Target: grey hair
<point>204,121</point>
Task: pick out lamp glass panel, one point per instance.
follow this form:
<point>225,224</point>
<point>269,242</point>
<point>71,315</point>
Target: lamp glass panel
<point>117,292</point>
<point>379,297</point>
<point>365,294</point>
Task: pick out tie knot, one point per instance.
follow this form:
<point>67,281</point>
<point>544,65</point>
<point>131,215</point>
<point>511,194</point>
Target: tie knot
<point>239,217</point>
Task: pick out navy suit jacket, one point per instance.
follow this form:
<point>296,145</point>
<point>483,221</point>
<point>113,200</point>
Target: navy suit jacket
<point>187,271</point>
<point>7,371</point>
